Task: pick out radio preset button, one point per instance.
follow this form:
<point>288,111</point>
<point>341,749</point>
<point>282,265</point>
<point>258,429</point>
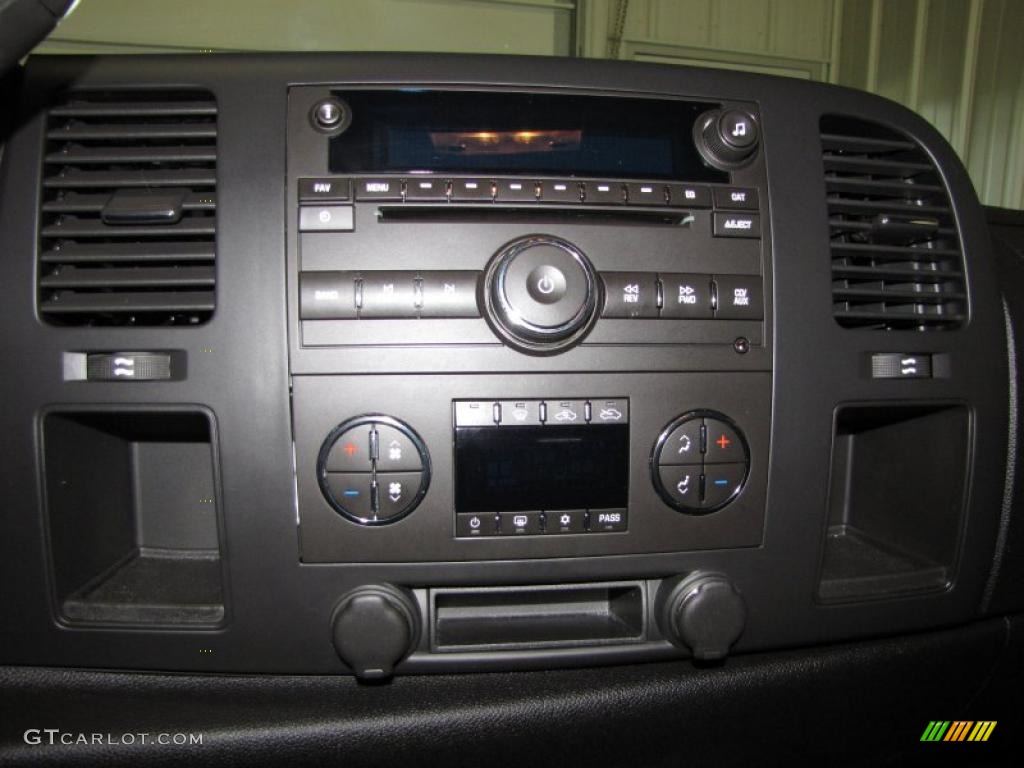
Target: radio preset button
<point>608,520</point>
<point>472,190</point>
<point>737,225</point>
<point>646,194</point>
<point>426,190</point>
<point>683,445</point>
<point>520,523</point>
<point>721,483</point>
<point>396,492</point>
<point>630,295</point>
<point>743,198</point>
<point>558,191</point>
<point>689,196</point>
<point>388,294</point>
<point>686,296</point>
<point>449,294</point>
<point>472,525</point>
<point>380,190</point>
<point>603,193</point>
<point>739,297</point>
<point>516,191</point>
<point>565,521</point>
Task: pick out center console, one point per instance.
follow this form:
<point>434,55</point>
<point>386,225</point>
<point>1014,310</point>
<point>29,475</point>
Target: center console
<point>397,364</point>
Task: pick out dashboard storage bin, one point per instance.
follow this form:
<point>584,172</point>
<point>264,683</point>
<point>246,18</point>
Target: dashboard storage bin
<point>896,507</point>
<point>132,516</point>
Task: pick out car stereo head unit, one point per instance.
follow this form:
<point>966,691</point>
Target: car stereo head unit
<point>509,246</point>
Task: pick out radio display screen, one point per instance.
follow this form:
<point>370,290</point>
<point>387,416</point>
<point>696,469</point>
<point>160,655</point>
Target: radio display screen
<point>512,469</point>
<point>482,133</point>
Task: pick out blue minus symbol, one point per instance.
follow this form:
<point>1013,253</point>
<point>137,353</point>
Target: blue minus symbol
<point>351,492</point>
<point>721,482</point>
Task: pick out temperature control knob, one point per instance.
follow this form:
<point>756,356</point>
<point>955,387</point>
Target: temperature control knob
<point>727,139</point>
<point>541,294</point>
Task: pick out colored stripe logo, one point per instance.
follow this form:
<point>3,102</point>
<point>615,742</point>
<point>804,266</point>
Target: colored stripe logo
<point>958,730</point>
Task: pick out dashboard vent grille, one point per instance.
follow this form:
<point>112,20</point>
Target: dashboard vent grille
<point>129,209</point>
<point>897,263</point>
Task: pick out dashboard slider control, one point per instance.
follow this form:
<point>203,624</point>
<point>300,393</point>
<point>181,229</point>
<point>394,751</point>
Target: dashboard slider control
<point>900,365</point>
<point>128,366</point>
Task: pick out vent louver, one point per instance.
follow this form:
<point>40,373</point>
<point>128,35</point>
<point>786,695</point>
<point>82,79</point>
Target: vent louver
<point>128,219</point>
<point>896,257</point>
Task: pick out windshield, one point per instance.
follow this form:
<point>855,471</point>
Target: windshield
<point>961,69</point>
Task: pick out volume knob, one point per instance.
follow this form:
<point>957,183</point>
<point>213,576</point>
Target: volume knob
<point>541,294</point>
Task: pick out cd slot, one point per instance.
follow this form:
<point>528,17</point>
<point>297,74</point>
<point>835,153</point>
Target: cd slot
<point>464,214</point>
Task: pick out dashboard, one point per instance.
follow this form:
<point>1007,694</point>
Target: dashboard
<point>404,368</point>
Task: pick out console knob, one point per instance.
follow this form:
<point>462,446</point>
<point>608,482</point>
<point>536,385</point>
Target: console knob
<point>330,116</point>
<point>541,294</point>
<point>727,139</point>
<point>704,612</point>
<point>373,628</point>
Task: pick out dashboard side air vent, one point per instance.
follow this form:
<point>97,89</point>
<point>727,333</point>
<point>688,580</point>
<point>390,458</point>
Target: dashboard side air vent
<point>129,209</point>
<point>897,262</point>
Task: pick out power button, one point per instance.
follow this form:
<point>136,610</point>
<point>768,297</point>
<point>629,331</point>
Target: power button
<point>546,284</point>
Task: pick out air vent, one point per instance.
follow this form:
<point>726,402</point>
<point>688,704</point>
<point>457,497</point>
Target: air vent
<point>128,219</point>
<point>896,257</point>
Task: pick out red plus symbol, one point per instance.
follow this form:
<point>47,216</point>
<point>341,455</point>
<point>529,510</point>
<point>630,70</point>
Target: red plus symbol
<point>350,448</point>
<point>723,442</point>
